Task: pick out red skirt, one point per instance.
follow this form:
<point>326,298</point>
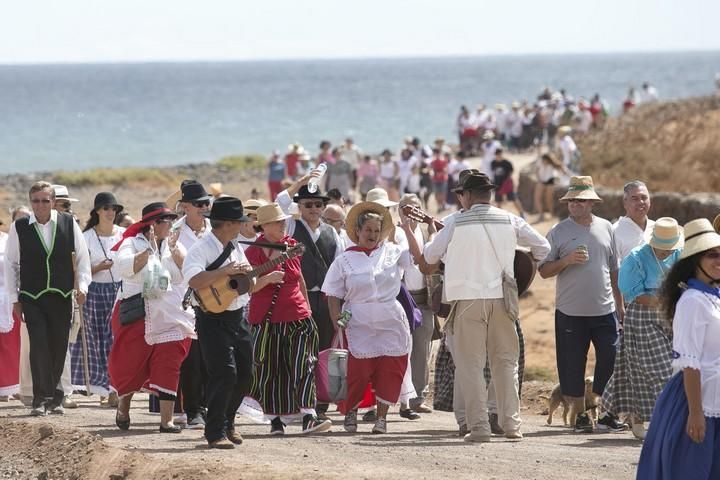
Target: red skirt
<point>508,186</point>
<point>10,360</point>
<point>134,365</point>
<point>386,375</point>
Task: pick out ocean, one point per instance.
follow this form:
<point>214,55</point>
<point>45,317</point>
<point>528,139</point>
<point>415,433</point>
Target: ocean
<point>152,114</point>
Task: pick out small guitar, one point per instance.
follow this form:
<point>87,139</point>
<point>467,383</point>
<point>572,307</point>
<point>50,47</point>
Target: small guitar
<point>217,297</point>
<point>524,265</point>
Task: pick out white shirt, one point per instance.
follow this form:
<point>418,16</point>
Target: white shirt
<point>489,149</point>
<point>242,238</point>
<point>352,155</point>
<point>6,320</point>
<point>405,170</point>
<point>414,279</point>
<point>369,286</point>
<point>387,170</point>
<point>567,147</point>
<point>187,235</point>
<point>628,235</point>
<point>203,253</point>
<point>648,95</point>
<point>696,343</point>
<point>12,256</point>
<point>99,247</point>
<point>458,167</point>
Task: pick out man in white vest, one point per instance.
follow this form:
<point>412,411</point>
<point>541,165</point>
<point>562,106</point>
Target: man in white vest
<point>478,245</point>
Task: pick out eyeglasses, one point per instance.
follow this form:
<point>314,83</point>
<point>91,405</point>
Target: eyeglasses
<point>313,204</point>
<point>109,207</point>
<point>578,200</point>
<point>40,200</point>
<point>62,204</point>
<point>201,203</point>
<point>712,255</point>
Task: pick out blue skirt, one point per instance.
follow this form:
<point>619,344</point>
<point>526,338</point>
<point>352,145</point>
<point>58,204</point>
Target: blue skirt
<point>668,453</point>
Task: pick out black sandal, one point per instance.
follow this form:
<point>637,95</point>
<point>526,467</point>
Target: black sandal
<point>170,429</point>
<point>122,424</point>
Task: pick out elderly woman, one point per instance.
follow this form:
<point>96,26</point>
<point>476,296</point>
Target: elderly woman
<point>683,440</point>
<point>101,234</point>
<point>642,364</point>
<point>365,281</point>
<point>152,332</point>
<point>285,337</point>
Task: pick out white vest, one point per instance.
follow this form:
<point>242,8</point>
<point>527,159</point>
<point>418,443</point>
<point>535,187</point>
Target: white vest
<point>472,270</point>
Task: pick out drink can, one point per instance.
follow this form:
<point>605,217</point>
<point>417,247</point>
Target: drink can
<point>344,319</point>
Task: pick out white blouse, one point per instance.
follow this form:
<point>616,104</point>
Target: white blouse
<point>6,320</point>
<point>99,248</point>
<point>369,285</point>
<point>696,343</point>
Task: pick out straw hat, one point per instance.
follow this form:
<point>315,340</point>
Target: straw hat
<point>173,200</point>
<point>270,213</point>
<point>362,207</point>
<point>582,188</point>
<point>716,222</point>
<point>380,196</point>
<point>699,237</point>
<point>215,189</point>
<point>564,130</point>
<point>667,234</point>
<point>253,204</point>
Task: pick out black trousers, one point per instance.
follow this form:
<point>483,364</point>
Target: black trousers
<point>48,324</point>
<point>193,379</point>
<point>226,346</point>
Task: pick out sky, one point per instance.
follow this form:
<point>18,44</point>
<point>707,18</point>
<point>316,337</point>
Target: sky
<point>51,31</point>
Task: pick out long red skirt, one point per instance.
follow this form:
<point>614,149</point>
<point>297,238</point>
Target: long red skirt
<point>10,360</point>
<point>134,365</point>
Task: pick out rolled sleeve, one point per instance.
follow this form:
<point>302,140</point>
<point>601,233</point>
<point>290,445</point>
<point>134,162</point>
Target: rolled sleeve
<point>531,238</point>
<point>82,260</point>
<point>12,265</point>
<point>125,259</point>
<point>194,263</point>
<point>435,249</point>
<point>334,284</point>
<point>631,279</point>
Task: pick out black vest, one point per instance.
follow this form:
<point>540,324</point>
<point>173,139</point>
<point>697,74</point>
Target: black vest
<point>316,259</point>
<point>46,271</point>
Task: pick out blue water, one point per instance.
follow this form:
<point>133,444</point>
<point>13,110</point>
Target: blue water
<point>77,116</point>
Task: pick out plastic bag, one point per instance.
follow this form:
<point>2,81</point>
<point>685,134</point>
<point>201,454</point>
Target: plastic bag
<point>156,279</point>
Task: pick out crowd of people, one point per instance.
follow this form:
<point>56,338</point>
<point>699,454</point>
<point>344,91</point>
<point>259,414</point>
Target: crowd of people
<point>114,310</point>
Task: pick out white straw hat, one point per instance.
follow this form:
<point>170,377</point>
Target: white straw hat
<point>667,234</point>
<point>700,236</point>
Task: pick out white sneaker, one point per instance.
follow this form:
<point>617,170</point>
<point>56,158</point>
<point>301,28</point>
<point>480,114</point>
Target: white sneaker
<point>380,426</point>
<point>180,419</point>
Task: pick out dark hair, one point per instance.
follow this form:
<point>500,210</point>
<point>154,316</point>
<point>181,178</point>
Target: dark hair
<point>499,150</point>
<point>334,193</point>
<point>94,220</point>
<point>671,289</point>
<point>119,217</point>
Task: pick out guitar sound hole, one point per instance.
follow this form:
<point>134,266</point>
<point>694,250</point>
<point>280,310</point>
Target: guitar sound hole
<point>233,284</point>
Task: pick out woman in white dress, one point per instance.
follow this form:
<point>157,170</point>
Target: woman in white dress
<point>365,281</point>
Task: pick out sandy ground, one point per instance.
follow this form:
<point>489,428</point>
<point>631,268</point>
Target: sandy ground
<point>86,443</point>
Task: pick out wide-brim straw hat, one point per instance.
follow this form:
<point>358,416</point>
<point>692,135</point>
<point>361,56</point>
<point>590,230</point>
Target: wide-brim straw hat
<point>270,213</point>
<point>667,234</point>
<point>700,236</point>
<point>362,207</point>
<point>581,188</point>
<point>173,200</point>
<point>716,221</point>
<point>216,189</point>
<point>380,196</point>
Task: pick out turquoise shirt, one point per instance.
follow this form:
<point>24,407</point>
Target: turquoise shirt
<point>641,273</point>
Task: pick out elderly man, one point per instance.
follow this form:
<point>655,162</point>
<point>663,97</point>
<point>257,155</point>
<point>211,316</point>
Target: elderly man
<point>479,321</point>
<point>47,258</point>
<point>635,227</point>
<point>587,299</point>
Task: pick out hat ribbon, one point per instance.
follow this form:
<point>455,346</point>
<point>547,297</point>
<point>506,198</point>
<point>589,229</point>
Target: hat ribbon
<point>698,234</point>
<point>579,187</point>
<point>669,241</point>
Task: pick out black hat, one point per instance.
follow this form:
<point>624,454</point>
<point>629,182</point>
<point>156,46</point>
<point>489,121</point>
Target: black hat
<point>193,191</point>
<point>155,211</point>
<point>106,198</point>
<point>463,175</point>
<point>478,182</point>
<point>227,208</point>
<point>305,193</point>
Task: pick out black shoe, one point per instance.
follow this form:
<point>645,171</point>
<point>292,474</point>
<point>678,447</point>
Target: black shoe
<point>610,423</point>
<point>122,424</point>
<point>463,430</point>
<point>495,427</point>
<point>277,427</point>
<point>409,414</point>
<point>170,429</point>
<point>583,424</point>
<point>369,416</point>
<point>312,424</point>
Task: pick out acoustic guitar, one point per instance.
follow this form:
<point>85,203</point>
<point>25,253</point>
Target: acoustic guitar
<point>524,265</point>
<point>218,296</point>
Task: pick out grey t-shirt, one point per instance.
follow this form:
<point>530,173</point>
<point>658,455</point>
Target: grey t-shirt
<point>584,290</point>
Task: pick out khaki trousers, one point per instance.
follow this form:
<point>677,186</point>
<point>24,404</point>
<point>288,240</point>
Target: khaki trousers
<point>483,328</point>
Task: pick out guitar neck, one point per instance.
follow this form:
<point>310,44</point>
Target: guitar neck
<point>267,266</point>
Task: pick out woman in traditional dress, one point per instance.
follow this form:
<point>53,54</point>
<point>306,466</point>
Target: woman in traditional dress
<point>9,335</point>
<point>149,346</point>
<point>683,440</point>
<point>642,363</point>
<point>101,234</point>
<point>365,281</point>
<point>285,337</point>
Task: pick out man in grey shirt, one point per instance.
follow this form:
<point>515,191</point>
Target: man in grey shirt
<point>583,257</point>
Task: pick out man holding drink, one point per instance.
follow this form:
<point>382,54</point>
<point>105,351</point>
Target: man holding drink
<point>583,258</point>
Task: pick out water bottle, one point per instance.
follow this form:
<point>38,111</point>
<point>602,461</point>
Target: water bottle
<point>315,181</point>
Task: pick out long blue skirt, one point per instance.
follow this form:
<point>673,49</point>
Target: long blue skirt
<point>668,453</point>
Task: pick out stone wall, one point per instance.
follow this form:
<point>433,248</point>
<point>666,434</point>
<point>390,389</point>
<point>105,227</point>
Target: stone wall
<point>664,204</point>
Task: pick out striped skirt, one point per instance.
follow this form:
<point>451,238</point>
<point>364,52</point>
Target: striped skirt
<point>642,364</point>
<point>285,355</point>
<point>96,315</point>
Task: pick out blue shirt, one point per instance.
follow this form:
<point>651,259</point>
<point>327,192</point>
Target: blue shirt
<point>641,273</point>
<point>277,171</point>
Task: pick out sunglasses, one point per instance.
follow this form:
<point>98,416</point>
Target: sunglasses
<point>201,203</point>
<point>712,255</point>
<point>313,204</point>
<point>109,207</point>
<point>578,200</point>
<point>40,200</point>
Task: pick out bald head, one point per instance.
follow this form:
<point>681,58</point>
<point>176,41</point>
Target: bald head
<point>334,216</point>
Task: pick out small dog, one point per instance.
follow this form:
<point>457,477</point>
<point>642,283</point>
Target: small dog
<point>557,398</point>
